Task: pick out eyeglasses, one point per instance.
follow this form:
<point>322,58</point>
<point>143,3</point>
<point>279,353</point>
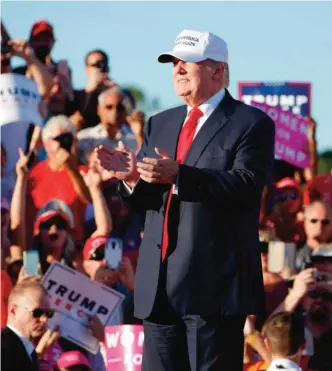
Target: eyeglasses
<point>38,312</point>
<point>119,107</point>
<point>284,196</point>
<point>324,222</point>
<point>98,254</point>
<point>324,295</point>
<point>61,225</point>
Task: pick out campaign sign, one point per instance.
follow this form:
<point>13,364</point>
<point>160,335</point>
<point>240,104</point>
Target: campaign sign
<point>291,139</point>
<point>318,188</point>
<point>19,100</point>
<point>47,361</point>
<point>289,96</point>
<point>75,297</point>
<point>124,347</point>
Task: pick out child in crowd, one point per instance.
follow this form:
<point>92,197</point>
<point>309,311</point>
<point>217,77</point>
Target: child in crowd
<point>285,339</point>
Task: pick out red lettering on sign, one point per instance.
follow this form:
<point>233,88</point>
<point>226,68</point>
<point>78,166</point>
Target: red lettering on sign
<point>68,306</point>
<point>58,301</point>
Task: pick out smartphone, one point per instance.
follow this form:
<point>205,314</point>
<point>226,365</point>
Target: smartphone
<point>66,140</point>
<point>31,158</point>
<point>113,253</point>
<point>31,262</point>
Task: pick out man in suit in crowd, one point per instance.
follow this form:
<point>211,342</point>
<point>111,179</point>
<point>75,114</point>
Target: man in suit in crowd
<point>28,313</point>
<point>199,178</point>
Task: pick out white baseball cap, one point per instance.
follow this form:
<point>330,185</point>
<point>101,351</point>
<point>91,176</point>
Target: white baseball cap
<point>196,46</point>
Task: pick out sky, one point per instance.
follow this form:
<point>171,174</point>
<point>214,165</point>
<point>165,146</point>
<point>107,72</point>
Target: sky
<point>267,41</point>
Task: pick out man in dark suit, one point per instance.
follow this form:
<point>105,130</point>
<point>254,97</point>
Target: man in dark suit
<point>199,178</point>
<point>28,313</point>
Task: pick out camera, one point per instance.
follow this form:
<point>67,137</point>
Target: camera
<point>66,140</point>
<point>5,47</point>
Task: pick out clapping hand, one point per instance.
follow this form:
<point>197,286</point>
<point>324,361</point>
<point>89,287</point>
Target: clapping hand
<point>118,163</point>
<point>153,170</point>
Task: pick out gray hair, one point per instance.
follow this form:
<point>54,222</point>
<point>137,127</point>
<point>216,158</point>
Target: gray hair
<point>61,122</point>
<point>125,100</point>
<point>324,204</point>
<point>215,64</point>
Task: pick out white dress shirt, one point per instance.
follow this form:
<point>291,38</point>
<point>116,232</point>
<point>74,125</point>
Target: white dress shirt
<point>207,109</point>
<point>29,347</point>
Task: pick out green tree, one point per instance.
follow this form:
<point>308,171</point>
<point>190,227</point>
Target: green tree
<point>144,103</point>
<point>325,162</point>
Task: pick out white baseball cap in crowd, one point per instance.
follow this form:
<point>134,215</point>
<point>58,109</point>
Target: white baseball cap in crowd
<point>196,46</point>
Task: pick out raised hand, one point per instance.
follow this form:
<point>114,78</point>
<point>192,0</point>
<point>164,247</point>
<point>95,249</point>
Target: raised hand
<point>47,340</point>
<point>92,178</point>
<point>126,274</point>
<point>21,164</point>
<point>119,163</point>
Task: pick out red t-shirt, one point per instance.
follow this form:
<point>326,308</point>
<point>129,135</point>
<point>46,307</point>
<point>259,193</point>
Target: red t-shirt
<point>45,184</point>
<point>6,288</point>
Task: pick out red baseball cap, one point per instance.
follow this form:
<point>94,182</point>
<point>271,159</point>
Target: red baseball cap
<point>41,26</point>
<point>92,244</point>
<point>288,183</point>
<point>72,358</point>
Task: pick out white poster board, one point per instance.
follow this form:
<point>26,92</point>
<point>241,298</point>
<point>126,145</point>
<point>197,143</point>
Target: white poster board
<point>19,100</point>
<point>75,297</point>
<point>281,255</point>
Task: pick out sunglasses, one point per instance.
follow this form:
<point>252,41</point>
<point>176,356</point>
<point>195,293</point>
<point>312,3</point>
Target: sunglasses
<point>61,225</point>
<point>324,295</point>
<point>119,107</point>
<point>284,196</point>
<point>38,312</point>
<point>323,221</point>
<point>99,64</point>
<point>98,254</point>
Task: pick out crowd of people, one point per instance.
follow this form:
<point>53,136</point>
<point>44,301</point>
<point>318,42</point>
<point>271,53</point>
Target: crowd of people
<point>62,205</point>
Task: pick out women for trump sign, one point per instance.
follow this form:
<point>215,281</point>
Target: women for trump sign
<point>124,347</point>
<point>291,139</point>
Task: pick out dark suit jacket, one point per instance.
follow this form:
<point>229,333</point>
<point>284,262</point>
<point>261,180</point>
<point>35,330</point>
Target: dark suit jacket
<point>214,265</point>
<point>14,356</point>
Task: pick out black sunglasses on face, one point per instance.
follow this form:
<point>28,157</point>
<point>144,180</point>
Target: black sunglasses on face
<point>99,64</point>
<point>284,196</point>
<point>324,222</point>
<point>324,295</point>
<point>38,312</point>
<point>119,107</point>
<point>61,225</point>
<point>98,254</point>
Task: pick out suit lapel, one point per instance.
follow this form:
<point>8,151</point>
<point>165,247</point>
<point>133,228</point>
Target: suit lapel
<point>168,138</point>
<point>210,128</point>
<point>21,350</point>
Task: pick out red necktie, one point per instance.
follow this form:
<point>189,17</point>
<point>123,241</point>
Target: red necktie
<point>186,137</point>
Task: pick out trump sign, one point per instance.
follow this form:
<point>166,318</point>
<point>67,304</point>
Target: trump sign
<point>289,96</point>
<point>124,347</point>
